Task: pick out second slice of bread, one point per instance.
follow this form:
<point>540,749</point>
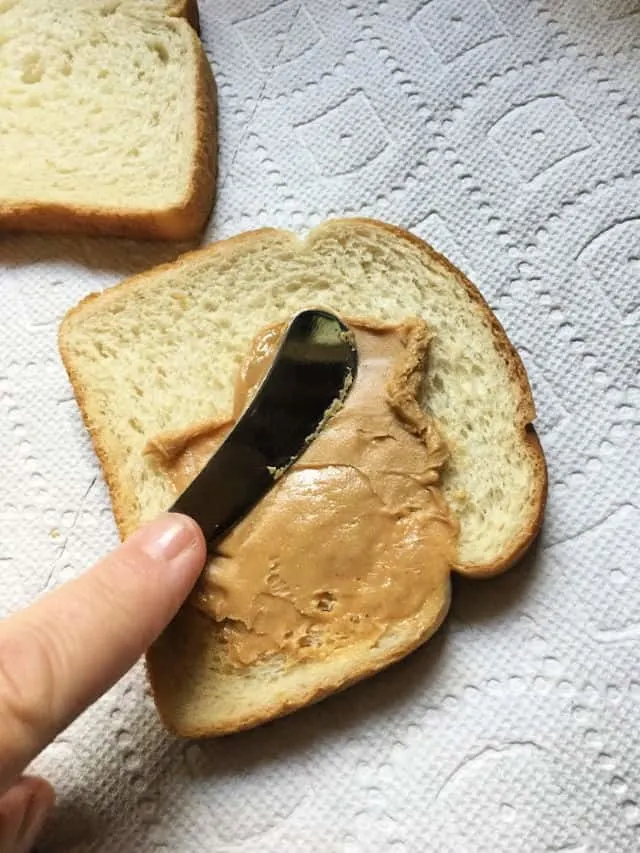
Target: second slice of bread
<point>108,118</point>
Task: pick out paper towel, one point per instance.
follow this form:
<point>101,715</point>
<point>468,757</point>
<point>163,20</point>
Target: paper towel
<point>506,133</point>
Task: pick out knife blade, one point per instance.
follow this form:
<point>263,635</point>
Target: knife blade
<point>314,367</point>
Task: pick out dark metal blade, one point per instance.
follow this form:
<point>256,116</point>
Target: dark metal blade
<point>313,367</point>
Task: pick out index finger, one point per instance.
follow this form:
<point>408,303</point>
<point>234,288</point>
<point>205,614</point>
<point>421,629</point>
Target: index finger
<point>59,655</point>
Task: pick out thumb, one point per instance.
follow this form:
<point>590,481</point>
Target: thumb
<point>59,655</point>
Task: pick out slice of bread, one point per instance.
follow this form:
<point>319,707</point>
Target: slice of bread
<point>159,352</point>
<point>108,112</point>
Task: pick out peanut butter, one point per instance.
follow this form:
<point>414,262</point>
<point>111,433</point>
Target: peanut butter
<point>356,536</point>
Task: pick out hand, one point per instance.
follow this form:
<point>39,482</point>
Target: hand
<point>61,654</point>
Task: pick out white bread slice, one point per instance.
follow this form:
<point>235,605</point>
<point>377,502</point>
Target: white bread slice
<point>159,352</point>
<point>108,113</point>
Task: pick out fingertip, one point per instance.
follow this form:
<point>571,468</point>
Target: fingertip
<point>40,790</point>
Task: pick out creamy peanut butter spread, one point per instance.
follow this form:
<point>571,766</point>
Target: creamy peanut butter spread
<point>356,536</point>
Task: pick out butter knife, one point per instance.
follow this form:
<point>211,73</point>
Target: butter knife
<point>314,366</point>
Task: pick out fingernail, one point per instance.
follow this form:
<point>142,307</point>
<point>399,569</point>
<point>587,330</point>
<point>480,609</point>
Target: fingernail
<point>174,539</point>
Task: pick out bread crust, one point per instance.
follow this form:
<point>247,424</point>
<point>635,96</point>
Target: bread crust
<point>188,635</point>
<point>184,221</point>
<point>187,9</point>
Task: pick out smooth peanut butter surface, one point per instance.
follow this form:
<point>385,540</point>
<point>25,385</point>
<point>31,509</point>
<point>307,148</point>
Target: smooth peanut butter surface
<point>356,536</point>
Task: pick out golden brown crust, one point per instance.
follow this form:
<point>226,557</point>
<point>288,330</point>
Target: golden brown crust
<point>184,221</point>
<point>189,635</point>
<point>188,9</point>
<point>126,513</point>
<point>119,503</point>
<point>190,221</point>
<point>519,546</point>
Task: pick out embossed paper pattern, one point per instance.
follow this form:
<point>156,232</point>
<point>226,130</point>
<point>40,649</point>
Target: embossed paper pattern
<point>506,133</point>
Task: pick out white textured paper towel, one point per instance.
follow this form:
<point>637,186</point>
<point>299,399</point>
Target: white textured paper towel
<point>506,133</point>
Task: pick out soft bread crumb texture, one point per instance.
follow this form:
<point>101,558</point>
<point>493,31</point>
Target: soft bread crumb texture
<point>159,354</point>
<point>124,84</point>
<point>105,108</point>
